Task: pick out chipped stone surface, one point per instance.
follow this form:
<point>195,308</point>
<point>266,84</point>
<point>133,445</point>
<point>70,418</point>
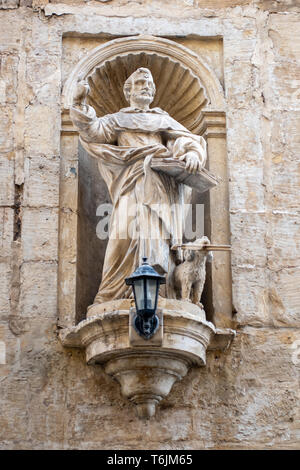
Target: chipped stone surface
<point>37,279</point>
<point>39,230</point>
<point>7,180</point>
<point>247,397</point>
<point>41,181</point>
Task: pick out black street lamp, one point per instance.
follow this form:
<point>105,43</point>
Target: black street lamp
<point>145,282</point>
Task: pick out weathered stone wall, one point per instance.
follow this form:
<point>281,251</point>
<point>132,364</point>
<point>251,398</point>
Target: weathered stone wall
<point>247,397</point>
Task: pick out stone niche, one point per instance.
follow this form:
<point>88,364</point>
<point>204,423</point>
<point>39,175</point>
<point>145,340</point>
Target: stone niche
<point>199,105</point>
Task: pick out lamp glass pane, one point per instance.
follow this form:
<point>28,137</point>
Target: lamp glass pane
<point>151,293</point>
<point>139,293</point>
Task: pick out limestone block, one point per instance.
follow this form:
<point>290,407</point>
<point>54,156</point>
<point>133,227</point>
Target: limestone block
<point>43,40</point>
<point>41,181</point>
<point>7,187</point>
<point>10,358</point>
<point>6,129</point>
<point>6,232</point>
<point>91,378</point>
<point>258,343</point>
<point>5,271</point>
<point>283,241</point>
<point>252,400</point>
<point>90,416</point>
<point>10,31</point>
<point>46,420</point>
<point>240,42</point>
<point>31,385</point>
<point>246,187</point>
<point>37,366</point>
<point>180,423</point>
<point>284,296</point>
<point>285,138</point>
<point>285,85</point>
<point>8,77</point>
<point>275,7</point>
<point>250,295</point>
<point>285,182</point>
<point>266,299</point>
<point>284,33</point>
<point>291,124</point>
<point>239,84</point>
<point>43,75</point>
<point>267,413</point>
<point>42,130</point>
<point>248,232</point>
<point>244,137</point>
<point>39,289</point>
<point>285,42</point>
<point>39,234</point>
<point>14,422</point>
<point>7,4</point>
<point>26,3</point>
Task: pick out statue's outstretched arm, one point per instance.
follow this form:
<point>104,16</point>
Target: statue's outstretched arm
<point>85,120</point>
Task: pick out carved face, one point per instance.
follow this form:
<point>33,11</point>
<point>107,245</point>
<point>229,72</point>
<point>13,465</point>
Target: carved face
<point>140,88</point>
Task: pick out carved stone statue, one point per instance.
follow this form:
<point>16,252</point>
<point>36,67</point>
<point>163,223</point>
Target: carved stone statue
<point>189,276</point>
<point>125,145</point>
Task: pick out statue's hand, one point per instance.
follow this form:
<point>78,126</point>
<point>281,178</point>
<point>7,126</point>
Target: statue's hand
<point>193,163</point>
<point>81,92</point>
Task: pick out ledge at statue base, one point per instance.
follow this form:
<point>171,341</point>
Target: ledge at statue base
<point>146,369</point>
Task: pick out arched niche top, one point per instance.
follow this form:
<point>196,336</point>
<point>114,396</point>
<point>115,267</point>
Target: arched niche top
<point>184,83</point>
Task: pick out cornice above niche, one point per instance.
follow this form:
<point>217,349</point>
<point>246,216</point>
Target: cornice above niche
<point>185,85</point>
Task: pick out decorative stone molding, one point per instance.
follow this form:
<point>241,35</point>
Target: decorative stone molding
<point>146,372</point>
<point>212,123</point>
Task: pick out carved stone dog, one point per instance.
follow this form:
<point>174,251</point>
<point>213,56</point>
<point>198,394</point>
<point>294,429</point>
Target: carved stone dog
<point>189,276</point>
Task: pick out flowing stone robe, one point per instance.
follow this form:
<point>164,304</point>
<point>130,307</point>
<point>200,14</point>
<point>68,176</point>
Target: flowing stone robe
<point>148,206</point>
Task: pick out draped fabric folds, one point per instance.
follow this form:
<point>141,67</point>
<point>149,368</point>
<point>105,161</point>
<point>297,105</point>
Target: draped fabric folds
<point>148,206</point>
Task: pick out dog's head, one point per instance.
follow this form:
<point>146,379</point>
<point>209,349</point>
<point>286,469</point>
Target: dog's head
<point>191,255</point>
<point>202,241</point>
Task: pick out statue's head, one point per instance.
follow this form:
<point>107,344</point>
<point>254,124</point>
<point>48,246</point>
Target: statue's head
<point>139,88</point>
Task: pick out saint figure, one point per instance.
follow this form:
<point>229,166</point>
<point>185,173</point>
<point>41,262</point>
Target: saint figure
<point>148,206</point>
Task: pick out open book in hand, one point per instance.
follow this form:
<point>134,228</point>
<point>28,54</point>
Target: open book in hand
<point>202,181</point>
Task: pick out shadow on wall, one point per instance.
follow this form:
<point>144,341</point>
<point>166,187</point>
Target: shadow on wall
<point>92,192</point>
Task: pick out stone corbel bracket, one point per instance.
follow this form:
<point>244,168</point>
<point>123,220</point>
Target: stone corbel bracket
<point>146,369</point>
